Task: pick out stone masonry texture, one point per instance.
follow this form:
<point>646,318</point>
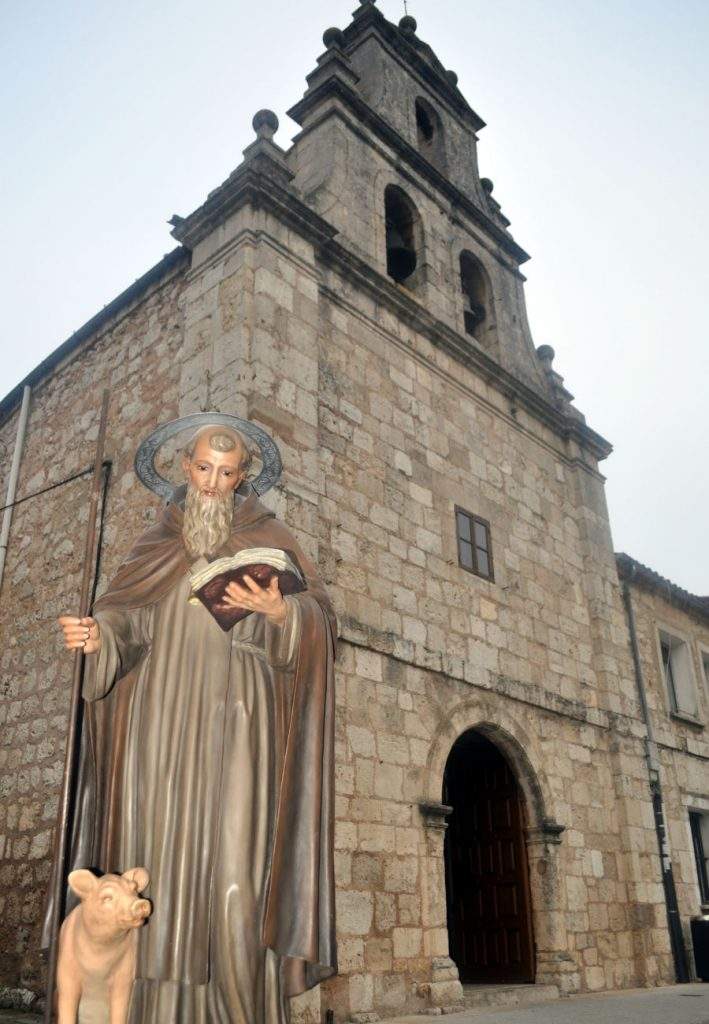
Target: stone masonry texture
<point>387,415</point>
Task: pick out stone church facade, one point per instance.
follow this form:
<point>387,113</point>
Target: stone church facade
<point>360,296</point>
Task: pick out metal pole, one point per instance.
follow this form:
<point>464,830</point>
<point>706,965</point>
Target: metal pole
<point>12,481</point>
<point>62,830</point>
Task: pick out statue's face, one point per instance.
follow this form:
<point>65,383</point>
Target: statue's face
<point>212,472</point>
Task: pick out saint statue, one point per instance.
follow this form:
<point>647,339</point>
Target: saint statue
<point>207,756</point>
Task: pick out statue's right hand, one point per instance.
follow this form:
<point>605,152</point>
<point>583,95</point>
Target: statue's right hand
<point>82,634</point>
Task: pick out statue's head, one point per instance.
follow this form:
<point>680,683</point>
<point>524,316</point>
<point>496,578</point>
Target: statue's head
<point>215,461</point>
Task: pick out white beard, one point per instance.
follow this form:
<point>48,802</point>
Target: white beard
<point>207,522</point>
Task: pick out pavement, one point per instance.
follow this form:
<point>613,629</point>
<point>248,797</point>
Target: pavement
<point>677,1004</point>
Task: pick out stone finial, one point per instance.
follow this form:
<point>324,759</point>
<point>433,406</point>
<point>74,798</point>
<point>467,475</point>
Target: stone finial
<point>333,37</point>
<point>452,78</point>
<point>487,186</point>
<point>562,397</point>
<point>408,25</point>
<point>546,354</point>
<point>265,124</point>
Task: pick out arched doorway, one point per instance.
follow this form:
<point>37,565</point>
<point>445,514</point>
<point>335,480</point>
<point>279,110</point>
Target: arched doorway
<point>487,876</point>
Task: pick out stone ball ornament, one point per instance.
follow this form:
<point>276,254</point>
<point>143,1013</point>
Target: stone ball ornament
<point>271,464</point>
<point>265,123</point>
<point>333,37</point>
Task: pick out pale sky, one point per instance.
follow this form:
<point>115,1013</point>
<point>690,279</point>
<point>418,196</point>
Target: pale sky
<point>116,116</point>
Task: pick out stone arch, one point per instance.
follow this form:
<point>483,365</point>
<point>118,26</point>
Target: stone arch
<point>404,234</point>
<point>543,834</point>
<point>517,745</point>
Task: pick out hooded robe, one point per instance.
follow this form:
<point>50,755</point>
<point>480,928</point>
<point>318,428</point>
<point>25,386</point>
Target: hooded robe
<point>207,758</point>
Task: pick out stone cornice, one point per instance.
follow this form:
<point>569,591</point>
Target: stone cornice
<point>548,831</point>
<point>369,20</point>
<point>434,814</point>
<point>458,670</point>
<point>252,184</point>
<point>337,89</point>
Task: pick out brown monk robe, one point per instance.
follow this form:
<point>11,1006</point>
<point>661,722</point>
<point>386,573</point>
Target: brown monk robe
<point>208,758</point>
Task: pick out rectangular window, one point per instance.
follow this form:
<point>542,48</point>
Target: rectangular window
<point>699,824</point>
<point>474,544</point>
<point>677,670</point>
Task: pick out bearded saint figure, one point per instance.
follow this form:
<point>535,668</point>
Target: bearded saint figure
<point>208,758</point>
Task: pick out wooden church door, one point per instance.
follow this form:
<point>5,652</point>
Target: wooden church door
<point>487,877</point>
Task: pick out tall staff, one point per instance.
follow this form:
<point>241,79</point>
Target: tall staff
<point>68,781</point>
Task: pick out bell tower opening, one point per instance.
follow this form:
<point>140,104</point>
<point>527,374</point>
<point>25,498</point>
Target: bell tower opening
<point>487,876</point>
<point>403,235</point>
<point>474,288</point>
<point>429,134</point>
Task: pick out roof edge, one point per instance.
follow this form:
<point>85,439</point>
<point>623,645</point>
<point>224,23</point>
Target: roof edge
<point>632,571</point>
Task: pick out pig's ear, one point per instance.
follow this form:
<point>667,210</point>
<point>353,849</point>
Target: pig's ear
<point>138,875</point>
<point>83,882</point>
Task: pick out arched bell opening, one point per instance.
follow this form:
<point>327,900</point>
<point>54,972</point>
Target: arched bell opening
<point>404,237</point>
<point>489,906</point>
<point>477,311</point>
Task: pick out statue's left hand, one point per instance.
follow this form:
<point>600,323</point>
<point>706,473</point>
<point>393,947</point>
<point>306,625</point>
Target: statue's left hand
<point>269,601</point>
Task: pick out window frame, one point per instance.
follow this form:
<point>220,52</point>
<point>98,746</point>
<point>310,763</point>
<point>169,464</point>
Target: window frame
<point>475,571</point>
<point>676,639</point>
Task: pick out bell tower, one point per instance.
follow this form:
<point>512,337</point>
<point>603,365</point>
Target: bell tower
<point>387,154</point>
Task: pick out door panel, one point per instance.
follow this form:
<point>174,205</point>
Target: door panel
<point>487,883</point>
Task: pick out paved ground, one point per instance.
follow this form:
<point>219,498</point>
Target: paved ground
<point>680,1004</point>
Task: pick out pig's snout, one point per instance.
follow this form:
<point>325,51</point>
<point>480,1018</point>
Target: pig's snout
<point>140,910</point>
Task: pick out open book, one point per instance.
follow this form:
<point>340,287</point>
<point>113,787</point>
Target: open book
<point>208,585</point>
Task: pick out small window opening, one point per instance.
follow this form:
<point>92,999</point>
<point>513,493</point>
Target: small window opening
<point>424,124</point>
<point>472,283</point>
<point>474,543</point>
<point>401,218</point>
<point>429,134</point>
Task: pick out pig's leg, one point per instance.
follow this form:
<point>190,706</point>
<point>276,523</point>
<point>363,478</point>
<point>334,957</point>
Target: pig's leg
<point>118,1006</point>
<point>68,1001</point>
<point>120,986</point>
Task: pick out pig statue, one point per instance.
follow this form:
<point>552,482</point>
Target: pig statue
<point>97,947</point>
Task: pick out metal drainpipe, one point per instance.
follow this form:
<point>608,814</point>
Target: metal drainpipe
<point>12,482</point>
<point>674,924</point>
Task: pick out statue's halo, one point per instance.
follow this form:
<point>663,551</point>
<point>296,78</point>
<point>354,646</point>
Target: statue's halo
<point>148,449</point>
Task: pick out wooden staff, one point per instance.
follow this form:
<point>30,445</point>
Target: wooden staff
<point>68,780</point>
